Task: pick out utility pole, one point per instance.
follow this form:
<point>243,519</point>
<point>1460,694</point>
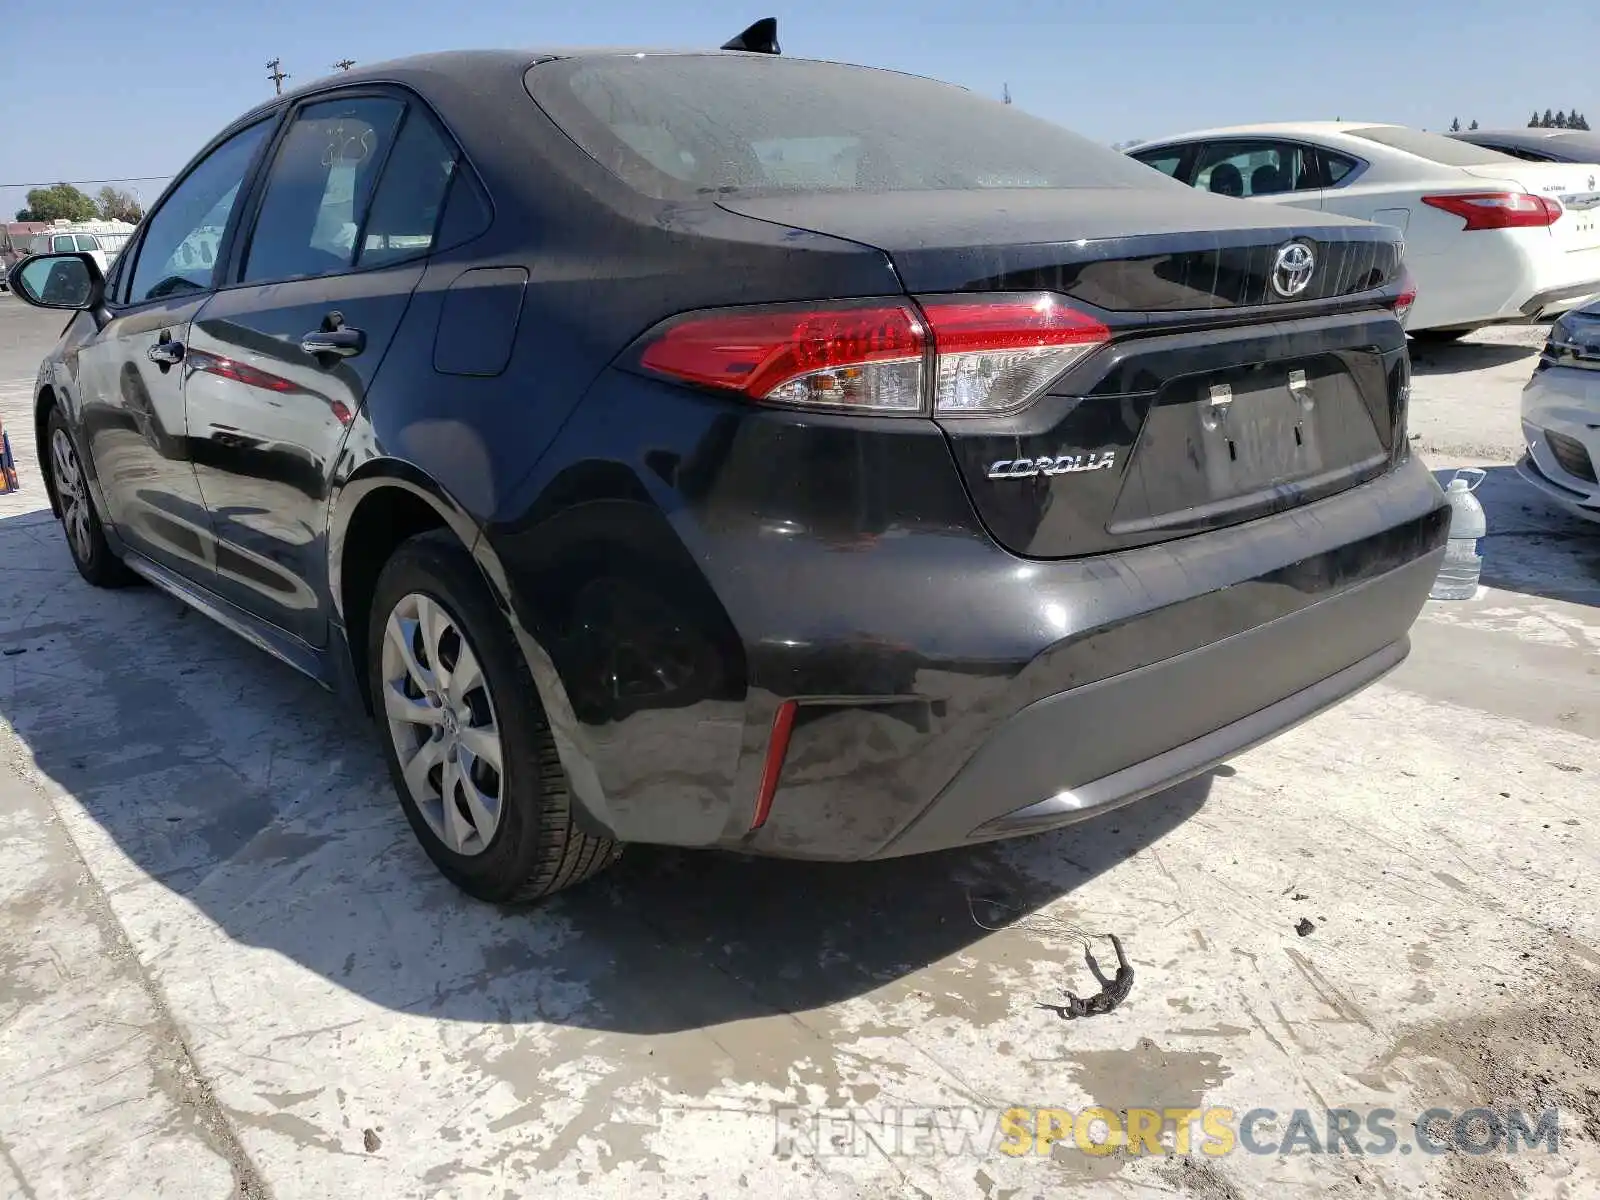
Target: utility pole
<point>1005,93</point>
<point>276,74</point>
<point>344,64</point>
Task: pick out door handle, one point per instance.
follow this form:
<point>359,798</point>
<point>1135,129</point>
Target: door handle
<point>166,352</point>
<point>343,342</point>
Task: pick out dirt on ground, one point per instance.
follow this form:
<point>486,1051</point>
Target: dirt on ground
<point>1539,1051</point>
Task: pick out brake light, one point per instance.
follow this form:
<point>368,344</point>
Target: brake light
<point>1406,298</point>
<point>1498,210</point>
<point>990,354</point>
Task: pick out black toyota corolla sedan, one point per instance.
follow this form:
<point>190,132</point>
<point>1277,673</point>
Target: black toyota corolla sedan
<point>722,449</point>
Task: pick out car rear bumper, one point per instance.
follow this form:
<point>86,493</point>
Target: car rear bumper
<point>1041,751</point>
<point>1266,625</point>
<point>1554,301</point>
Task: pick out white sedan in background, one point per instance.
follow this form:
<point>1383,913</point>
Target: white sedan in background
<point>1489,238</point>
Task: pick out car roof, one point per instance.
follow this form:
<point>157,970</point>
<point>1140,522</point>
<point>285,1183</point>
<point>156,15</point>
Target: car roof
<point>1276,128</point>
<point>1530,137</point>
<point>484,66</point>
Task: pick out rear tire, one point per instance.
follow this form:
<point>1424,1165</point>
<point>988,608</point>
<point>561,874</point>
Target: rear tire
<point>86,536</point>
<point>452,693</point>
<point>1440,335</point>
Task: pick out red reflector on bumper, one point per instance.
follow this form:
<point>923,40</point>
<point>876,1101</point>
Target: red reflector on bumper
<point>777,747</point>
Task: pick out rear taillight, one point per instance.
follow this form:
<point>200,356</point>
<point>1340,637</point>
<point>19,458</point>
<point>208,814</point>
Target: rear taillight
<point>865,357</point>
<point>1498,210</point>
<point>1407,297</point>
<point>959,354</point>
<point>996,355</point>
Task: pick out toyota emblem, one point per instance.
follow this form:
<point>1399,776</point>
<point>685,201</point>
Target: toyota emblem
<point>1292,269</point>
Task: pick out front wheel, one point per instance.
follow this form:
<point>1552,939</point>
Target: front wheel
<point>1439,335</point>
<point>86,536</point>
<point>466,738</point>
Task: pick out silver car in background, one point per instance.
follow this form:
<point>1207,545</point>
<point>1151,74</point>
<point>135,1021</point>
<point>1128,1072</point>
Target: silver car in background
<point>1561,414</point>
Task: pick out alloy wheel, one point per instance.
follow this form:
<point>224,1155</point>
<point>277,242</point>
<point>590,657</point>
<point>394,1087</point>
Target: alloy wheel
<point>73,493</point>
<point>442,719</point>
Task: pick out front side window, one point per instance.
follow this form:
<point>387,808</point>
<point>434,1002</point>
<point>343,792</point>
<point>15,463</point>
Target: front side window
<point>65,244</point>
<point>86,241</point>
<point>195,213</point>
<point>1254,169</point>
<point>319,188</point>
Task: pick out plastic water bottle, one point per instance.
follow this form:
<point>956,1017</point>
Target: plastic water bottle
<point>1458,575</point>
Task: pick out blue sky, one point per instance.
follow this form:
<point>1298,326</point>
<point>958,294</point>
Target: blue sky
<point>100,89</point>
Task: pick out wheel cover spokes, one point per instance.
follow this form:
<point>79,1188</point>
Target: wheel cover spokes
<point>442,720</point>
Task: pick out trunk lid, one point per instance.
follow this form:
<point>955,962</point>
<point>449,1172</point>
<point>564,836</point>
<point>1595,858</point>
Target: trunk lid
<point>1219,399</point>
<point>1126,250</point>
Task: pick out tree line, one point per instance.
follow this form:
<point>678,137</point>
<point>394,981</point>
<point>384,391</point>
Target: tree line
<point>1561,120</point>
<point>63,202</point>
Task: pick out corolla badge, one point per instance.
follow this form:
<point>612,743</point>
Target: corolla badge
<point>1292,269</point>
<point>1061,464</point>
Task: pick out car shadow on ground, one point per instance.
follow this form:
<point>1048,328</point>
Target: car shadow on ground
<point>1459,358</point>
<point>1533,545</point>
<point>205,770</point>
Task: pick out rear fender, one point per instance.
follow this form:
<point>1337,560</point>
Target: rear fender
<point>573,746</point>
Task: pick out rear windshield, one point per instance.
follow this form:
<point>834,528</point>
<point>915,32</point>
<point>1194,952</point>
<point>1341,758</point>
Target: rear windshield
<point>681,125</point>
<point>1432,146</point>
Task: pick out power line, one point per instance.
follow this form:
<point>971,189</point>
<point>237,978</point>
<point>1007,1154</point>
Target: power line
<point>79,182</point>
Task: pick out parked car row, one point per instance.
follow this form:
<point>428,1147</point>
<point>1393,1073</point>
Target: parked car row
<point>1490,238</point>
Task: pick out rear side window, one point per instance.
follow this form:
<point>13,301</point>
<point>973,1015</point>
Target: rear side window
<point>1256,168</point>
<point>416,179</point>
<point>86,241</point>
<point>1449,152</point>
<point>675,126</point>
<point>65,244</point>
<point>1335,166</point>
<point>319,187</point>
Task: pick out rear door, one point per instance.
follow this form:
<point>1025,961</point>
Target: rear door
<point>280,361</point>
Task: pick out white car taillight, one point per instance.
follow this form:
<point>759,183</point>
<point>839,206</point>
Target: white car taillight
<point>987,355</point>
<point>1406,298</point>
<point>1498,210</point>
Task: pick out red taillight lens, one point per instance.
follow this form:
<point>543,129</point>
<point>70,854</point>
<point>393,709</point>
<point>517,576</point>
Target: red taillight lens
<point>993,354</point>
<point>996,355</point>
<point>1498,210</point>
<point>1407,296</point>
<point>867,357</point>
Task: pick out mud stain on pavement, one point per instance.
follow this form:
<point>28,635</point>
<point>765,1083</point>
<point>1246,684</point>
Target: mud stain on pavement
<point>1537,1052</point>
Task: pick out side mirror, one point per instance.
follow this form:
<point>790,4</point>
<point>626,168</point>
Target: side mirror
<point>70,281</point>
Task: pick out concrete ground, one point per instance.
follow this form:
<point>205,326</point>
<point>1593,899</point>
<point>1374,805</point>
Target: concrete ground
<point>226,968</point>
